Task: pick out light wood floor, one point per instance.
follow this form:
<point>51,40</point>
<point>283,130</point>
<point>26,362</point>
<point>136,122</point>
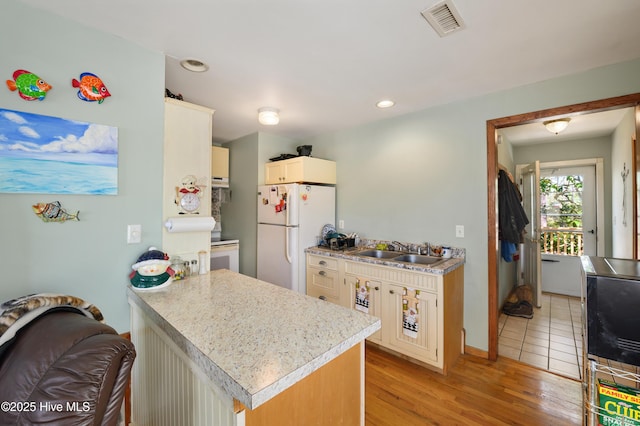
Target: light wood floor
<point>476,392</point>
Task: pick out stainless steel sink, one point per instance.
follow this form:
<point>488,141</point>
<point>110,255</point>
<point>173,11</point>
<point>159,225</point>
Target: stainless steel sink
<point>380,254</point>
<point>419,259</point>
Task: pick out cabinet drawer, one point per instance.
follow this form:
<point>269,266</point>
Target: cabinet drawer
<point>420,280</point>
<point>321,294</point>
<point>321,282</point>
<point>323,262</point>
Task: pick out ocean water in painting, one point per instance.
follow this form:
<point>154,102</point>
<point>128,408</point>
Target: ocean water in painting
<point>55,177</point>
<point>42,154</point>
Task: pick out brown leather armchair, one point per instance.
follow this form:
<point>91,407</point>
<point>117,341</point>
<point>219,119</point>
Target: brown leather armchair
<point>64,368</point>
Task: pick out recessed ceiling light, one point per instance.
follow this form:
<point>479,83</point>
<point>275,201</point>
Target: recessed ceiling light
<point>194,65</point>
<point>385,103</point>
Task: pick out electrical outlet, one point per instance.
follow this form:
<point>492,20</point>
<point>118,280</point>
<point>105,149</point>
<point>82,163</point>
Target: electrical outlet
<point>459,231</point>
<point>134,234</point>
<point>341,224</point>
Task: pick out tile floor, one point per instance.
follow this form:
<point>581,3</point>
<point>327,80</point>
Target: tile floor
<point>551,339</point>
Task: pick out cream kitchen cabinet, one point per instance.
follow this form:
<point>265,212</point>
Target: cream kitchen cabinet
<point>422,343</point>
<point>438,339</point>
<point>187,152</point>
<point>220,165</point>
<point>300,169</point>
<point>322,278</point>
<point>372,289</point>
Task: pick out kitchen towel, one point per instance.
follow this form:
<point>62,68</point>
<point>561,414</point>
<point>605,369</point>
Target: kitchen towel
<point>410,300</point>
<point>362,296</point>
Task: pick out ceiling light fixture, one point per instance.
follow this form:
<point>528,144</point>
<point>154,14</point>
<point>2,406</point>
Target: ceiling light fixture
<point>194,65</point>
<point>556,126</point>
<point>385,103</point>
<point>268,116</point>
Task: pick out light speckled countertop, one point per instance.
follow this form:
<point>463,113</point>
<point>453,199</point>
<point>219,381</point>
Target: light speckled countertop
<point>351,254</point>
<point>252,338</point>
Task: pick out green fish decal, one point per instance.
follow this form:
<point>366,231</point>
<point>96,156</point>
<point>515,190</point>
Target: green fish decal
<point>29,86</point>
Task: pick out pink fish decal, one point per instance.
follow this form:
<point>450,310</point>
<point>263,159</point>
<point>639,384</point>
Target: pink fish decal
<point>29,86</point>
<point>91,88</point>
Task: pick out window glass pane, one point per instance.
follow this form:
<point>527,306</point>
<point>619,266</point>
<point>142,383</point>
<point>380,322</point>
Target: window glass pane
<point>561,214</point>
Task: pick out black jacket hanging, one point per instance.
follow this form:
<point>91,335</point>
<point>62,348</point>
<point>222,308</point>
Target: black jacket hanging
<point>511,216</point>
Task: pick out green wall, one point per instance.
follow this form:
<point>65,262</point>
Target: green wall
<point>415,177</point>
<point>91,258</point>
<point>247,157</point>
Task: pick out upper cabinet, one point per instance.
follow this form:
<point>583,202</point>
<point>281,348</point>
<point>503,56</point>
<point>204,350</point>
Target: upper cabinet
<point>187,157</point>
<point>300,169</point>
<point>220,166</point>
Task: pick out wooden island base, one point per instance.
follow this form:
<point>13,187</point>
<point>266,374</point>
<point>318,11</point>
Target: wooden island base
<point>332,395</point>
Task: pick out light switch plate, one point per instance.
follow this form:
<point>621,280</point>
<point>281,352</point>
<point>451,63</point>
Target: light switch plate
<point>134,234</point>
<point>459,231</point>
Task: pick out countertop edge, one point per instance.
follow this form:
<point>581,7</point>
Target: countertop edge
<point>445,267</point>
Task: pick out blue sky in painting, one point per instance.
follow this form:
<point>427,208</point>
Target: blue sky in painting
<point>34,136</point>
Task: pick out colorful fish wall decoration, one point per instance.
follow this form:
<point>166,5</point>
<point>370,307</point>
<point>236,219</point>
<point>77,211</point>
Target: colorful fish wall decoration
<point>29,86</point>
<point>53,212</point>
<point>91,88</point>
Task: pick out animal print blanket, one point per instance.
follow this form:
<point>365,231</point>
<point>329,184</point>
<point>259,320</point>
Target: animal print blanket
<point>16,313</point>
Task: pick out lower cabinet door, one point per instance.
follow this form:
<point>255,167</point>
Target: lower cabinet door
<point>364,295</point>
<point>410,322</point>
<point>323,284</point>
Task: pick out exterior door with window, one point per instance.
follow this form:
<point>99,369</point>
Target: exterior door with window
<point>567,226</point>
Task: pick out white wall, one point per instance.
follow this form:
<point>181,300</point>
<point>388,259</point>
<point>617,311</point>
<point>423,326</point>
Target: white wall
<point>621,158</point>
<point>415,177</point>
<point>89,259</point>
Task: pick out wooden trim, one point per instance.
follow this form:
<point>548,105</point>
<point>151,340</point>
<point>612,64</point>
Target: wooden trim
<point>635,150</point>
<point>492,238</point>
<point>626,101</point>
<point>470,350</point>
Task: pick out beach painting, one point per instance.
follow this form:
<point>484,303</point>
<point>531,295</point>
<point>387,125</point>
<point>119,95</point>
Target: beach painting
<point>51,155</point>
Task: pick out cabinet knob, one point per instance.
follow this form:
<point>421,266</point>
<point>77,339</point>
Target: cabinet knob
<point>377,288</point>
<point>322,262</point>
<point>391,292</point>
<point>323,273</point>
<point>322,298</point>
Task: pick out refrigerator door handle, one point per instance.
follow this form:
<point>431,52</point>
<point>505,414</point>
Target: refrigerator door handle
<point>286,213</point>
<point>287,255</point>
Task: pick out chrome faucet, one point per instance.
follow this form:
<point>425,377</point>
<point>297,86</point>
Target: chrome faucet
<point>425,249</point>
<point>406,248</point>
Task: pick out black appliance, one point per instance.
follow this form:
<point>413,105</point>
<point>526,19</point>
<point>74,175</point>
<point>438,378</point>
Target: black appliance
<point>611,295</point>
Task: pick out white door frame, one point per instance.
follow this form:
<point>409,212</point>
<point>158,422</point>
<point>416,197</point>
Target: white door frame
<point>599,165</point>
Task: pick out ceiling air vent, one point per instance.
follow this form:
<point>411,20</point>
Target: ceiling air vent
<point>444,18</point>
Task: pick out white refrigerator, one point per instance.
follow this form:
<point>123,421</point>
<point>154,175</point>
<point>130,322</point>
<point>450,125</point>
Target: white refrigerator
<point>290,218</point>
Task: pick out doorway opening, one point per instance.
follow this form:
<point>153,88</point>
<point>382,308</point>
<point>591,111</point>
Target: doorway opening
<point>492,179</point>
<point>571,222</point>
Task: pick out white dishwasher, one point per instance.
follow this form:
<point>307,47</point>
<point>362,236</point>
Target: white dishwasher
<point>225,254</point>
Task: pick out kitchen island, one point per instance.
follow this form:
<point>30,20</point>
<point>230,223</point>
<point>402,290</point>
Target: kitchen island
<point>226,349</point>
